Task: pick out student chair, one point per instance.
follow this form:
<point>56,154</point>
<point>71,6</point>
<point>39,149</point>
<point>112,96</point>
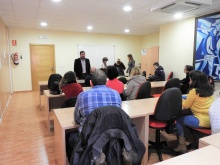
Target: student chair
<point>123,80</point>
<point>170,76</point>
<point>167,110</point>
<point>144,91</point>
<point>70,102</point>
<point>173,82</point>
<point>52,78</point>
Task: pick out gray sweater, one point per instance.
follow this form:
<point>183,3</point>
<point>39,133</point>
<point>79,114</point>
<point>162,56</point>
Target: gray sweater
<point>131,65</point>
<point>133,85</point>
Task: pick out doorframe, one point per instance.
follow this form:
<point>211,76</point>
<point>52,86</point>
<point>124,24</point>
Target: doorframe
<point>53,45</point>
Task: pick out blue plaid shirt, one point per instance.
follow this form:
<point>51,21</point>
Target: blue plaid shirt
<point>90,100</point>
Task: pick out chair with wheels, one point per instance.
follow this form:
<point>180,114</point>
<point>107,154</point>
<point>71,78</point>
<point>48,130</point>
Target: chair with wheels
<point>167,110</point>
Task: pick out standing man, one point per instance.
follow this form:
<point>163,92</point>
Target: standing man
<point>82,66</point>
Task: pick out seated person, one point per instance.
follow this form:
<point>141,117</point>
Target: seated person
<point>120,67</point>
<point>69,86</point>
<point>100,95</point>
<point>89,77</point>
<point>113,82</point>
<point>134,83</point>
<point>159,74</point>
<point>199,100</point>
<point>185,81</point>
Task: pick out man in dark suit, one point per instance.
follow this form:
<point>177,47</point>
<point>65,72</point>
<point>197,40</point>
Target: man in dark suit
<point>82,66</point>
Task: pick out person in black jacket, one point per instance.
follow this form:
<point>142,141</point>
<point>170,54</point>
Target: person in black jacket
<point>185,81</point>
<point>82,66</point>
<point>159,74</point>
<point>120,67</point>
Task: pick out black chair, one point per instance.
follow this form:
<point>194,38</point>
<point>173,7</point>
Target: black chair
<point>173,82</point>
<point>123,80</point>
<point>52,78</point>
<point>167,110</point>
<point>70,102</point>
<point>144,91</point>
<point>144,73</point>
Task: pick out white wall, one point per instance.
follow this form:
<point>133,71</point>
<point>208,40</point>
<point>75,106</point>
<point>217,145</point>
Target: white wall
<point>176,46</point>
<point>65,50</point>
<point>150,40</point>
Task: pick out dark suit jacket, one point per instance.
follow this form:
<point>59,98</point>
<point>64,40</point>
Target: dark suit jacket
<point>78,67</point>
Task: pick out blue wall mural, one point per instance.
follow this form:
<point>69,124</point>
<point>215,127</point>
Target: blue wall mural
<point>207,45</point>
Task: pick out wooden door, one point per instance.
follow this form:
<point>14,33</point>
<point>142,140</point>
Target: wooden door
<point>42,63</point>
<point>147,61</point>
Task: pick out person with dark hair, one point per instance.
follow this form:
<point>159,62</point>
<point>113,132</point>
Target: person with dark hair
<point>185,81</point>
<point>100,95</point>
<point>104,63</point>
<point>69,85</point>
<point>199,100</point>
<point>82,66</point>
<point>131,63</point>
<point>159,74</point>
<point>120,67</point>
<point>113,82</point>
<point>211,81</point>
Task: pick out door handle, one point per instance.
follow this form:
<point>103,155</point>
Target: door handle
<point>52,69</point>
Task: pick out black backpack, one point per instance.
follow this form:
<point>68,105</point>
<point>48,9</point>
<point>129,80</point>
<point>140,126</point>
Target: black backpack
<point>54,88</point>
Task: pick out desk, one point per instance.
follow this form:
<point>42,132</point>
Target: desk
<point>42,86</point>
<point>157,86</point>
<point>213,140</point>
<point>204,156</point>
<point>52,102</point>
<point>63,121</point>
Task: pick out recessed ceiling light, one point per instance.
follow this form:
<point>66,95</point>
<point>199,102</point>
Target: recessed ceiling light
<point>56,0</point>
<point>89,27</point>
<point>126,30</point>
<point>43,24</point>
<point>178,15</point>
<point>127,8</point>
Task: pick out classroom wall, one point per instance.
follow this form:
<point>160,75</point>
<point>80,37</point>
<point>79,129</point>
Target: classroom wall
<point>150,40</point>
<point>65,49</point>
<point>4,68</point>
<point>176,46</point>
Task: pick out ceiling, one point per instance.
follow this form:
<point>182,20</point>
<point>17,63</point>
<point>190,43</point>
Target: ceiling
<point>106,16</point>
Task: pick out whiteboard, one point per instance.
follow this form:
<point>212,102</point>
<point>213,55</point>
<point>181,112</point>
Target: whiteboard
<point>95,53</point>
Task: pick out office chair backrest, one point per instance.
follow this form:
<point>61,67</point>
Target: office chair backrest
<point>52,78</point>
<point>214,114</point>
<point>169,105</point>
<point>144,73</point>
<point>70,102</point>
<point>123,80</point>
<point>173,82</point>
<point>170,76</point>
<point>144,91</point>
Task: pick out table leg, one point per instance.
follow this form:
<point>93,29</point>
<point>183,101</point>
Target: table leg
<point>142,125</point>
<point>60,146</point>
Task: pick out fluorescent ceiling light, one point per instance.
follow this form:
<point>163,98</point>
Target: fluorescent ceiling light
<point>43,24</point>
<point>127,8</point>
<point>178,15</point>
<point>56,0</point>
<point>89,27</point>
<point>126,30</point>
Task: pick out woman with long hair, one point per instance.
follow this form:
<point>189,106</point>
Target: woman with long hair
<point>131,63</point>
<point>199,100</point>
